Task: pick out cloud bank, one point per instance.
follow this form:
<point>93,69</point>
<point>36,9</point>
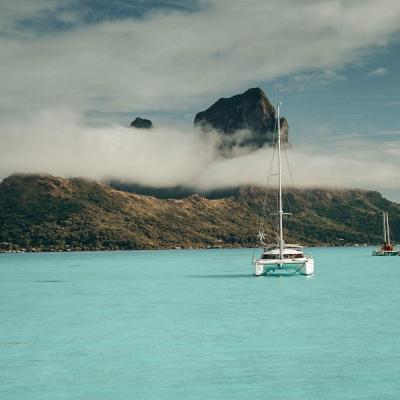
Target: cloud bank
<point>380,71</point>
<point>174,59</point>
<point>171,60</point>
<point>60,143</point>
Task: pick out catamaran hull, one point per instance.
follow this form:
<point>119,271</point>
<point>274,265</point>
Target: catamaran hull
<point>308,268</point>
<point>385,253</point>
<point>287,267</point>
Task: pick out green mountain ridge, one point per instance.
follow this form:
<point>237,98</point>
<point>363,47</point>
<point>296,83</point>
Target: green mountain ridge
<point>45,213</point>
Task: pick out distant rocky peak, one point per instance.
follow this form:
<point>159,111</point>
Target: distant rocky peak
<point>250,111</point>
<point>141,123</point>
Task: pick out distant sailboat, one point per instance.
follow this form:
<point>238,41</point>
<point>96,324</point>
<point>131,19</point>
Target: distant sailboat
<point>281,258</point>
<point>388,248</point>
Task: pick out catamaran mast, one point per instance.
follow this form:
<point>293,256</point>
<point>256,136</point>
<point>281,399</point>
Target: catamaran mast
<point>280,188</point>
<point>384,228</point>
<point>387,228</point>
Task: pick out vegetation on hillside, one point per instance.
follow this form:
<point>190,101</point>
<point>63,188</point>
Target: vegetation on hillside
<point>43,212</point>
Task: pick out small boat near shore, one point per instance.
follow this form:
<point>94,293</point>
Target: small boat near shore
<point>388,248</point>
<point>280,258</point>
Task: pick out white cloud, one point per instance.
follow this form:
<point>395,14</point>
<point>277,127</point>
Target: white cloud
<point>303,81</point>
<point>390,132</point>
<point>172,61</point>
<point>380,71</point>
<point>392,103</point>
<point>59,142</point>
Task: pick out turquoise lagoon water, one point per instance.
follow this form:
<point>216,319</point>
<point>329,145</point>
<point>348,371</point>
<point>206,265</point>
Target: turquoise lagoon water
<point>197,325</point>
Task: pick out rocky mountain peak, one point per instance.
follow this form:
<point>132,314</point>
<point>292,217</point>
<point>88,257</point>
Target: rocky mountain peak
<point>250,111</point>
<point>141,123</point>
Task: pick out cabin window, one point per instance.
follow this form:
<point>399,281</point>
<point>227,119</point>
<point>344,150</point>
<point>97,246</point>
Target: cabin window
<point>293,255</point>
<point>269,256</point>
<point>277,256</point>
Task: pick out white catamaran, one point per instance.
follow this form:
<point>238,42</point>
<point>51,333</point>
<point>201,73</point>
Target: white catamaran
<point>388,248</point>
<point>281,258</point>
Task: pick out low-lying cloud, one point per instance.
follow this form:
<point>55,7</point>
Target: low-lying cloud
<point>60,143</point>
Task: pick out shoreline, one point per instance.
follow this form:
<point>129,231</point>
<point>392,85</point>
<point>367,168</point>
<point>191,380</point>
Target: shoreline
<point>80,250</point>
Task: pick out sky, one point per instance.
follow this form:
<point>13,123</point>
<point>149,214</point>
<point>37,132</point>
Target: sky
<point>74,73</point>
